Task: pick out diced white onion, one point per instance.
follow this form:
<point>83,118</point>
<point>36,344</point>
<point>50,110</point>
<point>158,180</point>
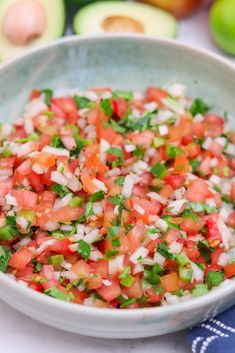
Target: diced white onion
<point>225,233</point>
<point>44,245</point>
<point>139,209</point>
<point>129,182</point>
<point>155,196</point>
<point>140,253</point>
<point>99,184</point>
<point>11,200</point>
<point>138,268</point>
<point>163,130</point>
<point>175,247</point>
<point>59,178</point>
<point>56,151</point>
<point>223,259</point>
<point>116,264</point>
<point>92,236</point>
<point>22,222</point>
<point>207,143</point>
<point>96,255</point>
<point>104,146</point>
<point>150,107</point>
<point>51,225</point>
<point>162,224</point>
<point>129,148</point>
<point>197,273</point>
<point>177,90</point>
<point>159,259</point>
<point>62,202</point>
<point>106,282</point>
<point>176,207</point>
<point>230,149</point>
<point>74,184</point>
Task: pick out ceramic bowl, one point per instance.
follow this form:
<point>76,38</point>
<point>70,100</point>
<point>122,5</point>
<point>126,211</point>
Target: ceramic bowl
<point>122,62</point>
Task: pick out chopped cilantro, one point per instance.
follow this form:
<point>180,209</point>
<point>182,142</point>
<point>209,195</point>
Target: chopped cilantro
<point>111,253</point>
<point>112,233</point>
<point>199,107</point>
<point>56,293</point>
<point>97,196</point>
<point>120,180</point>
<point>163,249</point>
<point>84,249</point>
<point>80,142</point>
<point>205,250</point>
<point>159,170</point>
<point>48,94</point>
<point>214,278</point>
<point>199,290</point>
<point>106,106</point>
<point>138,152</point>
<point>81,102</point>
<point>60,190</point>
<point>126,302</point>
<point>117,200</point>
<point>56,142</point>
<point>173,151</point>
<point>114,151</point>
<point>123,94</point>
<point>5,255</point>
<point>117,127</point>
<point>194,164</point>
<point>9,231</point>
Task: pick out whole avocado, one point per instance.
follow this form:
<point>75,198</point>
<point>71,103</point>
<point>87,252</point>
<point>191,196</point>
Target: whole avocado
<point>222,25</point>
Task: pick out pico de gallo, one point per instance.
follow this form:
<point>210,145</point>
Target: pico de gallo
<point>118,199</point>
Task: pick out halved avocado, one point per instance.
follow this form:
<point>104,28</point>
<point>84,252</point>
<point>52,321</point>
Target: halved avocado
<point>118,16</point>
<point>27,23</point>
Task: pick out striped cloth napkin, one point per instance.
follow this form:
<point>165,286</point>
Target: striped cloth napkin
<point>216,335</point>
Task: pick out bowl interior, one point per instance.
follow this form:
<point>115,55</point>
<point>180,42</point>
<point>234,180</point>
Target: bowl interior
<point>122,62</point>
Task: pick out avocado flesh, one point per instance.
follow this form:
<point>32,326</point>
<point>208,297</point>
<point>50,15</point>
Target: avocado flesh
<point>118,16</point>
<point>55,15</point>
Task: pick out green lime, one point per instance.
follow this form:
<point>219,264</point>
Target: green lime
<point>222,23</point>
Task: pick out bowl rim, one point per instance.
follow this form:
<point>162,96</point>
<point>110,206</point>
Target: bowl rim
<point>190,304</point>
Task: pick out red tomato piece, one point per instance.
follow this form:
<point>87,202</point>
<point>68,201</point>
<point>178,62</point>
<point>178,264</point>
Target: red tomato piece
<point>21,258</point>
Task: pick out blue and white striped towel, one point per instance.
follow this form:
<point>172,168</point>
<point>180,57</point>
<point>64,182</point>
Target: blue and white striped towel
<point>215,335</point>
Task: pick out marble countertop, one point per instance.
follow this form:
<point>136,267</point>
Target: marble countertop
<point>20,334</point>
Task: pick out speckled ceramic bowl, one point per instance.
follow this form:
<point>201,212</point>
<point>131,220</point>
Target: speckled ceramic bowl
<point>123,62</point>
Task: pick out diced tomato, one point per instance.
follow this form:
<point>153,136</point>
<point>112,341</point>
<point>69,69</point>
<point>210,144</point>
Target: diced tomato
<point>45,159</point>
<point>232,192</point>
<point>229,270</point>
<point>61,247</point>
<point>21,258</point>
<point>81,269</point>
<point>215,255</point>
<point>5,186</point>
<point>48,272</point>
<point>198,191</point>
<point>181,165</point>
<point>143,139</point>
<point>231,219</point>
<point>36,182</point>
<point>135,290</point>
<point>214,125</point>
<point>101,267</point>
<point>192,226</point>
<point>213,234</point>
<point>94,163</point>
<point>175,181</point>
<point>152,296</point>
<point>170,282</point>
<point>66,105</point>
<point>67,213</point>
<point>110,292</point>
<point>135,235</point>
<point>157,95</point>
<point>25,198</point>
<point>94,282</point>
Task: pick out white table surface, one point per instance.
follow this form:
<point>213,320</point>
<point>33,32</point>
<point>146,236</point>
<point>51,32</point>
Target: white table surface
<point>20,334</point>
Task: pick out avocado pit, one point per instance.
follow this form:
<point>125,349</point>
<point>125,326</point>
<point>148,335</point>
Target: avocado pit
<point>122,24</point>
<point>24,21</point>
